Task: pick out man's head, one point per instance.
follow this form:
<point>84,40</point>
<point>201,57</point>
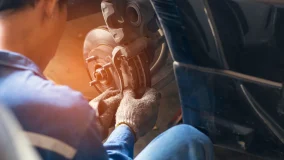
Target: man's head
<point>32,27</point>
<point>15,4</point>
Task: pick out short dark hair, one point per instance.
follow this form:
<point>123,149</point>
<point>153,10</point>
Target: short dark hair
<point>15,4</point>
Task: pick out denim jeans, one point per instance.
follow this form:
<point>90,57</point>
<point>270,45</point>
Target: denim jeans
<point>182,142</point>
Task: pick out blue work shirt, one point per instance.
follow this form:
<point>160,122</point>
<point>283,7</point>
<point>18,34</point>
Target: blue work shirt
<point>58,120</point>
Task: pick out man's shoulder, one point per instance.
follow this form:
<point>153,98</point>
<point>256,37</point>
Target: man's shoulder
<point>58,95</point>
<point>29,95</point>
<point>45,108</point>
<point>27,88</point>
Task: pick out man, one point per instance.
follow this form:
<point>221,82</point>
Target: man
<point>59,122</point>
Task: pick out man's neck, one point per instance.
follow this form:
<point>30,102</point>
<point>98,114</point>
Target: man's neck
<point>17,33</point>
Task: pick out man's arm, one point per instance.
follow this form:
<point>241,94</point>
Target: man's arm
<point>120,144</point>
<point>58,121</point>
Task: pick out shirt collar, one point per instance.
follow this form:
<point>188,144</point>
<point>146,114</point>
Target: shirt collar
<point>16,60</point>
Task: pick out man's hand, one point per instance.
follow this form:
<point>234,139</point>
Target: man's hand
<point>139,114</point>
<point>106,105</point>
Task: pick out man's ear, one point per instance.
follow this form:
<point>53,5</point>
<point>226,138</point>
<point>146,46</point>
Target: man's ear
<point>50,7</point>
